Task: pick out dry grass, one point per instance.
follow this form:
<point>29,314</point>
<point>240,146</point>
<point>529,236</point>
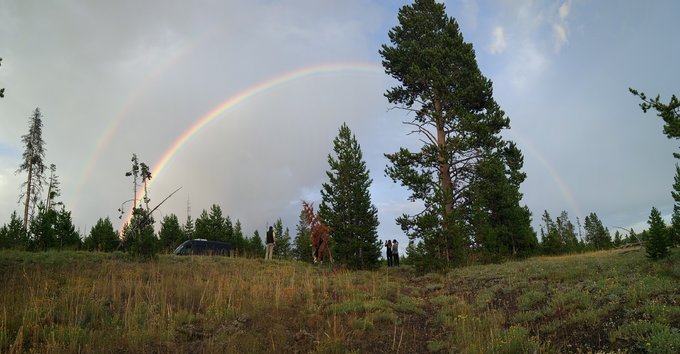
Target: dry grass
<point>60,302</point>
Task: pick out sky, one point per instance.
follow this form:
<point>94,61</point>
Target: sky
<point>237,102</point>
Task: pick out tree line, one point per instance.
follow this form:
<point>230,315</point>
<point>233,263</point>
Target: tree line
<point>466,176</point>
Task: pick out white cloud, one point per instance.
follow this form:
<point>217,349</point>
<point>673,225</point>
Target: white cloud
<point>560,33</point>
<point>527,65</point>
<point>564,9</point>
<point>560,28</point>
<point>498,43</point>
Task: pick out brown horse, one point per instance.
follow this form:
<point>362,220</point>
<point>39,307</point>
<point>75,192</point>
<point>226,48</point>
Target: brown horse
<point>319,232</point>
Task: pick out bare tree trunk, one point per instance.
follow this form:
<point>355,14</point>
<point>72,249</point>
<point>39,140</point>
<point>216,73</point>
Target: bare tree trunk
<point>444,171</point>
<point>28,195</point>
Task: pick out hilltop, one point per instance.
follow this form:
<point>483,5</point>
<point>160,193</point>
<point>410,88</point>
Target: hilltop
<point>97,302</point>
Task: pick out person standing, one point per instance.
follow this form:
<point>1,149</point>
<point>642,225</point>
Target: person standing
<point>395,253</point>
<point>270,244</point>
<point>388,246</point>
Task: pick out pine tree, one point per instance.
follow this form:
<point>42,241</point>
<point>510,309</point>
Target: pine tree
<point>282,248</point>
<point>203,228</point>
<point>670,113</point>
<point>53,190</point>
<point>255,246</point>
<point>217,224</point>
<point>139,237</point>
<point>500,226</point>
<point>551,241</point>
<point>675,219</point>
<point>33,163</point>
<point>14,235</point>
<point>188,229</point>
<point>103,237</point>
<point>455,116</point>
<point>567,232</point>
<point>228,229</point>
<point>42,232</point>
<point>346,205</point>
<point>618,240</point>
<point>170,235</point>
<point>302,248</point>
<point>597,236</point>
<point>657,243</point>
<point>239,244</point>
<point>67,236</point>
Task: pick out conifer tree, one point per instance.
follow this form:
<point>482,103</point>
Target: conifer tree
<point>618,240</point>
<point>53,190</point>
<point>657,242</point>
<point>67,236</point>
<point>500,226</point>
<point>103,237</point>
<point>170,235</point>
<point>668,112</point>
<point>302,245</point>
<point>217,224</point>
<point>42,232</point>
<point>551,242</point>
<point>14,235</point>
<point>203,227</point>
<point>188,229</point>
<point>239,240</point>
<point>139,237</point>
<point>674,232</point>
<point>597,236</point>
<point>455,116</point>
<point>567,232</point>
<point>282,248</point>
<point>33,163</point>
<point>255,246</point>
<point>228,227</point>
<point>346,204</point>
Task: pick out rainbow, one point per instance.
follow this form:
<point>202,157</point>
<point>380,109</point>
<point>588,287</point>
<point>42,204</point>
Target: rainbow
<point>248,93</point>
<point>559,181</point>
<point>254,90</point>
<point>137,94</point>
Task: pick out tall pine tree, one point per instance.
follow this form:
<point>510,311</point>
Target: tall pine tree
<point>33,163</point>
<point>499,225</point>
<point>455,116</point>
<point>346,204</point>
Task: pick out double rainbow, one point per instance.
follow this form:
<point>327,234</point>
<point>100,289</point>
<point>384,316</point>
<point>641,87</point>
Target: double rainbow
<point>231,102</point>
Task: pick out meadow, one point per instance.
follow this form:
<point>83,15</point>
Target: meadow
<point>610,301</point>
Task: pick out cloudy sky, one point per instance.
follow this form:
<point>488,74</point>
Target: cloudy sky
<point>265,85</point>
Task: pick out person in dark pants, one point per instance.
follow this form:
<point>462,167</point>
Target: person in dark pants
<point>388,245</point>
<point>395,253</point>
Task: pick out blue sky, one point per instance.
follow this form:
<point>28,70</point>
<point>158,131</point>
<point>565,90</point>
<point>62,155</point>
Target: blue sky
<point>561,71</point>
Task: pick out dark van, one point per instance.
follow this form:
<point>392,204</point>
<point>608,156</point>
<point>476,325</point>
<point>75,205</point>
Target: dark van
<point>203,247</point>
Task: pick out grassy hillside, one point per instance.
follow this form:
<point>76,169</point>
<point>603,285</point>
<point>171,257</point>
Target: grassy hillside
<point>88,302</point>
